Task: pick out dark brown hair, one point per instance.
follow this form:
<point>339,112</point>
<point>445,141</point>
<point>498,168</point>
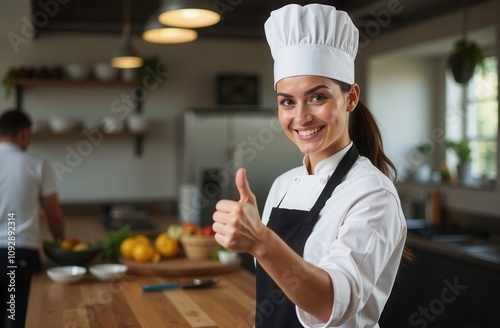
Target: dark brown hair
<point>12,122</point>
<point>365,134</point>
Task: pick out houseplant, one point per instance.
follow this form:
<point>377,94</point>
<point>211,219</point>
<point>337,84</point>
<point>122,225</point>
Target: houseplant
<point>463,60</point>
<point>463,152</point>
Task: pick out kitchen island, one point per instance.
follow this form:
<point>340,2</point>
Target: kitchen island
<point>122,303</point>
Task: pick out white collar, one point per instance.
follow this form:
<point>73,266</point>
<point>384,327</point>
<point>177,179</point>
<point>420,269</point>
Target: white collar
<point>328,165</point>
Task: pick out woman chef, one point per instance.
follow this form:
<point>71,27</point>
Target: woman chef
<point>335,232</point>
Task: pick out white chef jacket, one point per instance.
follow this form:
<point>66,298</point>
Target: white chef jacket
<point>358,239</point>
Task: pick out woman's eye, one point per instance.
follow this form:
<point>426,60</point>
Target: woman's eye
<point>318,97</point>
<point>286,102</point>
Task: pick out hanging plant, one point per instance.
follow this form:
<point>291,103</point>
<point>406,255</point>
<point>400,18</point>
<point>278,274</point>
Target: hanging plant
<point>466,55</point>
<point>464,59</point>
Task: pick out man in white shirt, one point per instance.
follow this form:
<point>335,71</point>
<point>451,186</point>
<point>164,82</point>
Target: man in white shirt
<point>26,181</point>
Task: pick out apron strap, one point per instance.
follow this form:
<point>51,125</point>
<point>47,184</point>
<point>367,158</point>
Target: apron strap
<point>338,175</point>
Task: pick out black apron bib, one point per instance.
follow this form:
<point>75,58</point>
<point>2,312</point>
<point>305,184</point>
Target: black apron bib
<point>274,309</point>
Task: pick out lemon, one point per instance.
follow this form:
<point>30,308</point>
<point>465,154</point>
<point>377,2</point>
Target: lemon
<point>141,238</point>
<point>143,252</point>
<point>126,247</point>
<point>166,246</point>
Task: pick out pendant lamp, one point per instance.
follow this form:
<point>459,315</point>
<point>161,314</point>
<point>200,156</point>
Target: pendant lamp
<point>188,13</point>
<point>156,32</point>
<point>126,56</point>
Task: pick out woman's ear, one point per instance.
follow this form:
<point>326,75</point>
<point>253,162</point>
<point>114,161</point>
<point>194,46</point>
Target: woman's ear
<point>353,97</point>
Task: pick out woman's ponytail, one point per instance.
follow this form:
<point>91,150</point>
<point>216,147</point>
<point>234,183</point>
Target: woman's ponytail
<point>365,134</point>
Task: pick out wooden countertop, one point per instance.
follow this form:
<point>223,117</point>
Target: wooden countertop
<point>92,303</point>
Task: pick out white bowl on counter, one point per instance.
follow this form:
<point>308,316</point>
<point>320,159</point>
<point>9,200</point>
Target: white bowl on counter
<point>226,256</point>
<point>108,271</point>
<point>66,274</point>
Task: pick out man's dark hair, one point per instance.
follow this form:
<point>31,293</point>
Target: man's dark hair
<point>12,122</point>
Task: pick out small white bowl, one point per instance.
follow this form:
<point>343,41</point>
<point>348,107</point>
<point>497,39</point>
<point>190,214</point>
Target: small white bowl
<point>108,272</point>
<point>76,72</point>
<point>66,274</point>
<point>226,256</point>
<point>105,72</point>
<point>111,124</point>
<point>59,124</point>
<point>137,123</point>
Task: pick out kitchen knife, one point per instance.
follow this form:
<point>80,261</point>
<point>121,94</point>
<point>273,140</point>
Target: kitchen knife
<point>190,284</point>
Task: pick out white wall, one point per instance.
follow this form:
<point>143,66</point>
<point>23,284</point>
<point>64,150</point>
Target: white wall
<point>399,96</point>
<point>111,171</point>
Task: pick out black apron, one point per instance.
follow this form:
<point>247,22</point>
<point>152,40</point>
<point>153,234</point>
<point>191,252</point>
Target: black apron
<point>274,309</point>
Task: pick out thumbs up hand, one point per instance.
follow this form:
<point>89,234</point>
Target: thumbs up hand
<point>237,223</point>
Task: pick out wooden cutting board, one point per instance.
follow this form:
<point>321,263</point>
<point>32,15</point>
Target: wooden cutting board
<point>180,266</point>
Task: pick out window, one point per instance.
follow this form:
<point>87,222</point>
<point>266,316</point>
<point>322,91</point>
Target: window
<point>477,121</point>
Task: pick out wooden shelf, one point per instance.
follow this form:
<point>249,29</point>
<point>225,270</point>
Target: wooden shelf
<point>21,83</point>
<point>37,82</point>
<point>74,134</point>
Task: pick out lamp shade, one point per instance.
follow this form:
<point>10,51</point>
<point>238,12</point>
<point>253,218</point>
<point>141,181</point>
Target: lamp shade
<point>156,32</point>
<point>126,56</point>
<point>188,13</point>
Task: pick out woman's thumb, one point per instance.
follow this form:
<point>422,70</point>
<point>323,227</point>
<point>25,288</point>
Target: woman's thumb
<point>243,186</point>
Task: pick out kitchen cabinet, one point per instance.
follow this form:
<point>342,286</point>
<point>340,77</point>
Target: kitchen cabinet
<point>441,292</point>
<point>21,84</point>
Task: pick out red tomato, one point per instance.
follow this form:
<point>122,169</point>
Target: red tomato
<point>207,231</point>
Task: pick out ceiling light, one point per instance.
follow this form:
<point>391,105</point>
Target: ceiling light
<point>126,56</point>
<point>188,13</point>
<point>156,32</point>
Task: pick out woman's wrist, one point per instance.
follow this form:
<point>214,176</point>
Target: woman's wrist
<point>260,247</point>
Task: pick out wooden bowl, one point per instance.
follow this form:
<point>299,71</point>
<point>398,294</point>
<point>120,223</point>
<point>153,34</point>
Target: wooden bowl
<point>199,247</point>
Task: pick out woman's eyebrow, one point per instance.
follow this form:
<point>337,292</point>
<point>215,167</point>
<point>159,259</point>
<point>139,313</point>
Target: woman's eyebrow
<point>308,92</point>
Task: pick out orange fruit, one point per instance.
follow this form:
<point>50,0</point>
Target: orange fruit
<point>143,252</point>
<point>166,246</point>
<point>67,245</point>
<point>141,238</point>
<point>126,247</point>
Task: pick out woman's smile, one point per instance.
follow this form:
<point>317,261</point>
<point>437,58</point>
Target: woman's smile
<point>309,132</point>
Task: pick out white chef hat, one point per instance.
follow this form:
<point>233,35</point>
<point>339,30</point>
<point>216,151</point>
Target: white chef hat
<point>312,40</point>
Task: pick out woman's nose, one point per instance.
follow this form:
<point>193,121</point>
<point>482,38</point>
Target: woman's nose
<point>303,114</point>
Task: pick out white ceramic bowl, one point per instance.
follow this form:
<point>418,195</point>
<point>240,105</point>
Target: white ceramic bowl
<point>59,124</point>
<point>66,274</point>
<point>76,72</point>
<point>107,272</point>
<point>137,123</point>
<point>111,124</point>
<point>105,72</point>
<point>226,256</point>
